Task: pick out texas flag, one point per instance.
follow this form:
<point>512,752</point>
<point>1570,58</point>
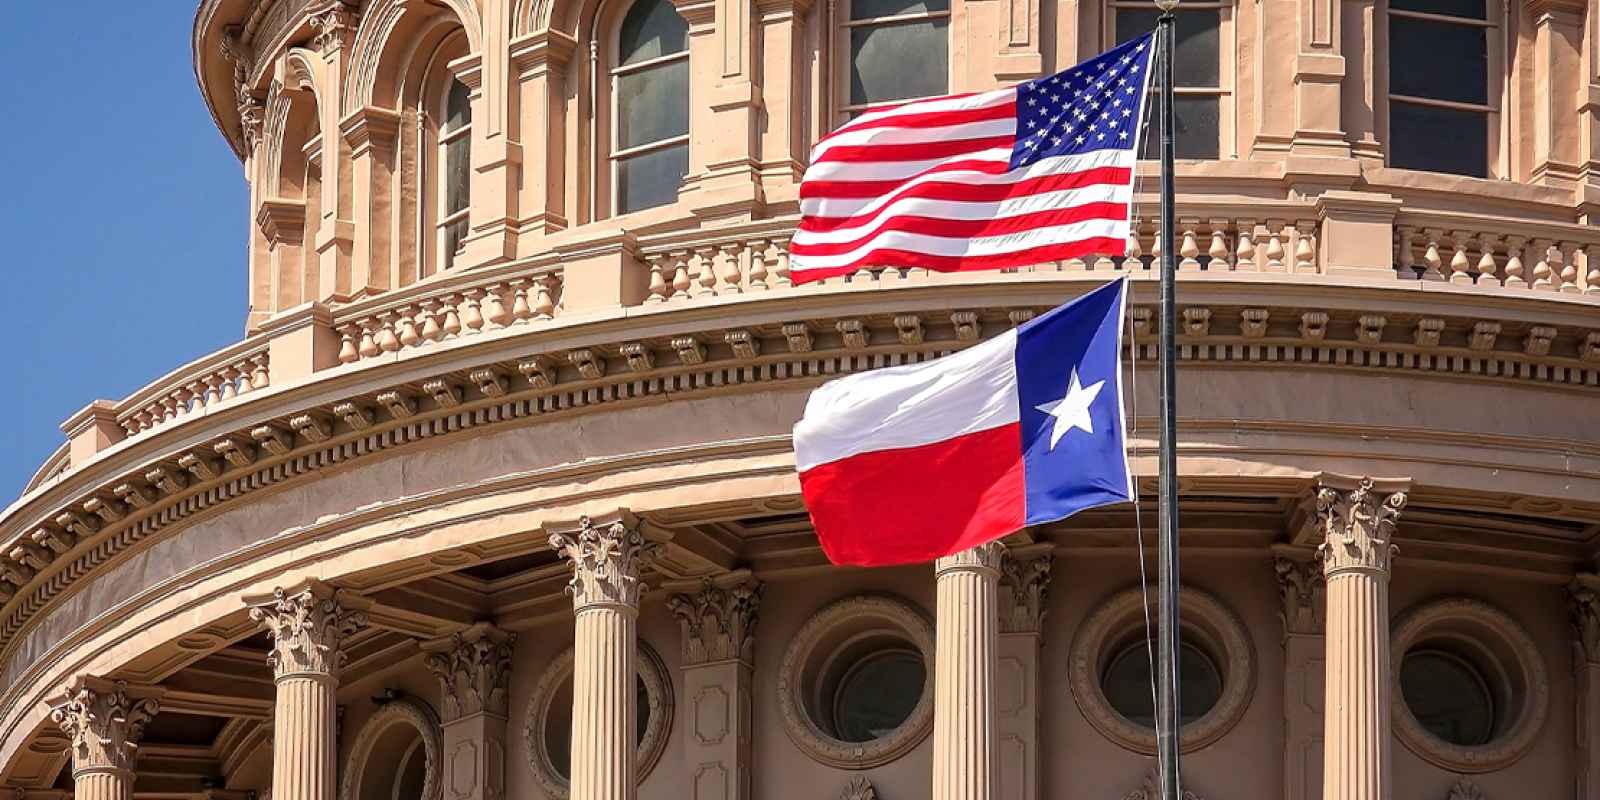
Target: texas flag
<point>908,464</point>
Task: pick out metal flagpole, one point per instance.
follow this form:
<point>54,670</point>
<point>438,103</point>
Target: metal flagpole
<point>1166,669</point>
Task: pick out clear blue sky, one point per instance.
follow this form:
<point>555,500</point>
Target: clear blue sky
<point>123,215</point>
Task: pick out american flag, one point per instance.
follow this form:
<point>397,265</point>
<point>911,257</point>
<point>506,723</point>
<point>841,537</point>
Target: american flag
<point>1037,172</point>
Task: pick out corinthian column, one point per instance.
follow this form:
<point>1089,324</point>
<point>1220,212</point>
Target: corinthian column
<point>308,622</point>
<point>1357,520</point>
<point>474,672</point>
<point>966,627</point>
<point>104,721</point>
<point>1024,594</point>
<point>719,635</point>
<point>605,586</point>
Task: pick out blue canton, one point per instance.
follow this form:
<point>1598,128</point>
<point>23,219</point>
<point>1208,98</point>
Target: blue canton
<point>1096,105</point>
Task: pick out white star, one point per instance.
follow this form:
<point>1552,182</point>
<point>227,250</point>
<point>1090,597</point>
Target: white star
<point>1072,410</point>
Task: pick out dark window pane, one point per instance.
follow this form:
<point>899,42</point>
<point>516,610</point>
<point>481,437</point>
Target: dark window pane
<point>1438,60</point>
<point>1448,696</point>
<point>1198,61</point>
<point>1474,9</point>
<point>894,62</point>
<point>454,234</point>
<point>877,695</point>
<point>652,29</point>
<point>457,174</point>
<point>1438,139</point>
<point>651,179</point>
<point>457,106</point>
<point>869,9</point>
<point>653,104</point>
<point>1126,684</point>
<point>1197,122</point>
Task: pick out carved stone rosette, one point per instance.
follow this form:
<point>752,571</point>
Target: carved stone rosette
<point>474,671</point>
<point>1024,590</point>
<point>1358,523</point>
<point>606,561</point>
<point>718,624</point>
<point>307,624</point>
<point>104,721</point>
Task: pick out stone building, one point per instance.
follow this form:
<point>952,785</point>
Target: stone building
<point>495,497</point>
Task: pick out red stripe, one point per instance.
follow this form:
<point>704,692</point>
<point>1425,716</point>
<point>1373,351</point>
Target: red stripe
<point>908,117</point>
<point>889,257</point>
<point>821,188</point>
<point>914,151</point>
<point>916,504</point>
<point>981,192</point>
<point>966,228</point>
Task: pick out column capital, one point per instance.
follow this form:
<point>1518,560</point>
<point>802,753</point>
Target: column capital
<point>474,671</point>
<point>334,25</point>
<point>104,720</point>
<point>1583,600</point>
<point>1356,519</point>
<point>308,621</point>
<point>1302,588</point>
<point>1025,587</point>
<point>983,558</point>
<point>719,620</point>
<point>606,560</point>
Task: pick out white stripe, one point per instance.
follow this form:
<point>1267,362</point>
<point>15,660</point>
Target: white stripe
<point>969,210</point>
<point>842,207</point>
<point>896,170</point>
<point>981,129</point>
<point>980,100</point>
<point>964,246</point>
<point>898,407</point>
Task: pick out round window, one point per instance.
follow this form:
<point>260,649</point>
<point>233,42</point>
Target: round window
<point>1126,682</point>
<point>877,695</point>
<point>558,725</point>
<point>1448,696</point>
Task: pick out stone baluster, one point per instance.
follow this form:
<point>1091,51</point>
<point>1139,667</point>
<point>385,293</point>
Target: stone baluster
<point>1023,593</point>
<point>495,310</point>
<point>781,264</point>
<point>452,326</point>
<point>1432,262</point>
<point>1244,250</point>
<point>1542,275</point>
<point>1356,522</point>
<point>347,344</point>
<point>1566,266</point>
<point>369,341</point>
<point>308,623</point>
<point>521,309</point>
<point>680,276</point>
<point>706,277</point>
<point>732,277</point>
<point>386,339</point>
<point>544,297</point>
<point>1514,268</point>
<point>1132,253</point>
<point>260,374</point>
<point>966,627</point>
<point>718,624</point>
<point>104,722</point>
<point>1583,599</point>
<point>1459,265</point>
<point>1155,247</point>
<point>472,315</point>
<point>473,668</point>
<point>1486,263</point>
<point>407,323</point>
<point>431,331</point>
<point>1188,245</point>
<point>659,288</point>
<point>1591,269</point>
<point>1301,588</point>
<point>1275,246</point>
<point>606,561</point>
<point>758,264</point>
<point>1405,259</point>
<point>1305,247</point>
<point>1218,251</point>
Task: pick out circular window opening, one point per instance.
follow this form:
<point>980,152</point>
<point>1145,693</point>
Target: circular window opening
<point>1448,696</point>
<point>1126,682</point>
<point>877,694</point>
<point>558,725</point>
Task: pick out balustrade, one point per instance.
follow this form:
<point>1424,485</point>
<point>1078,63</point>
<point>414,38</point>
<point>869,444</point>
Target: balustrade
<point>409,323</point>
<point>1538,257</point>
<point>191,390</point>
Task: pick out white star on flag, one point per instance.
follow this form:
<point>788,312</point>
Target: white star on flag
<point>1072,410</point>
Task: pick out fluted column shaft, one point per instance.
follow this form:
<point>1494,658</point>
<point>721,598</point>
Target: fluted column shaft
<point>103,784</point>
<point>605,588</point>
<point>967,631</point>
<point>104,721</point>
<point>1357,520</point>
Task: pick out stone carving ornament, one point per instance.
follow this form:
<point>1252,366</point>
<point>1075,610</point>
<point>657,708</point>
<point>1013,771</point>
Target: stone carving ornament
<point>1150,789</point>
<point>658,688</point>
<point>1358,526</point>
<point>1509,662</point>
<point>307,624</point>
<point>606,561</point>
<point>407,711</point>
<point>104,723</point>
<point>859,789</point>
<point>474,671</point>
<point>1024,590</point>
<point>1208,623</point>
<point>1301,587</point>
<point>718,624</point>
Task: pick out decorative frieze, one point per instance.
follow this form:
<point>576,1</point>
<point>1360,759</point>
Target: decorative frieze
<point>1357,522</point>
<point>104,721</point>
<point>606,560</point>
<point>718,623</point>
<point>473,668</point>
<point>968,328</point>
<point>308,622</point>
<point>909,329</point>
<point>1253,322</point>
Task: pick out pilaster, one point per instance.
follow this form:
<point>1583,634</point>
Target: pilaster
<point>308,623</point>
<point>782,142</point>
<point>1358,104</point>
<point>718,623</point>
<point>606,560</point>
<point>1319,68</point>
<point>540,63</point>
<point>1557,58</point>
<point>371,134</point>
<point>1583,597</point>
<point>334,27</point>
<point>1355,519</point>
<point>1302,588</point>
<point>1023,595</point>
<point>966,627</point>
<point>104,721</point>
<point>725,116</point>
<point>473,668</point>
<point>496,160</point>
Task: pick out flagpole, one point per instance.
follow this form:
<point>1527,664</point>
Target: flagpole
<point>1166,670</point>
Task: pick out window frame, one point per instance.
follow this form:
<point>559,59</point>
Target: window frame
<point>1226,90</point>
<point>1495,23</point>
<point>443,138</point>
<point>615,70</point>
<point>840,27</point>
<point>428,219</point>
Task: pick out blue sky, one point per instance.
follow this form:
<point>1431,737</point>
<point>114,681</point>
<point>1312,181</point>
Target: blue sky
<point>123,215</point>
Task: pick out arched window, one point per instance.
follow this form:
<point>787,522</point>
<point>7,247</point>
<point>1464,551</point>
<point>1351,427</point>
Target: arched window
<point>1442,112</point>
<point>650,80</point>
<point>894,50</point>
<point>1201,76</point>
<point>455,180</point>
